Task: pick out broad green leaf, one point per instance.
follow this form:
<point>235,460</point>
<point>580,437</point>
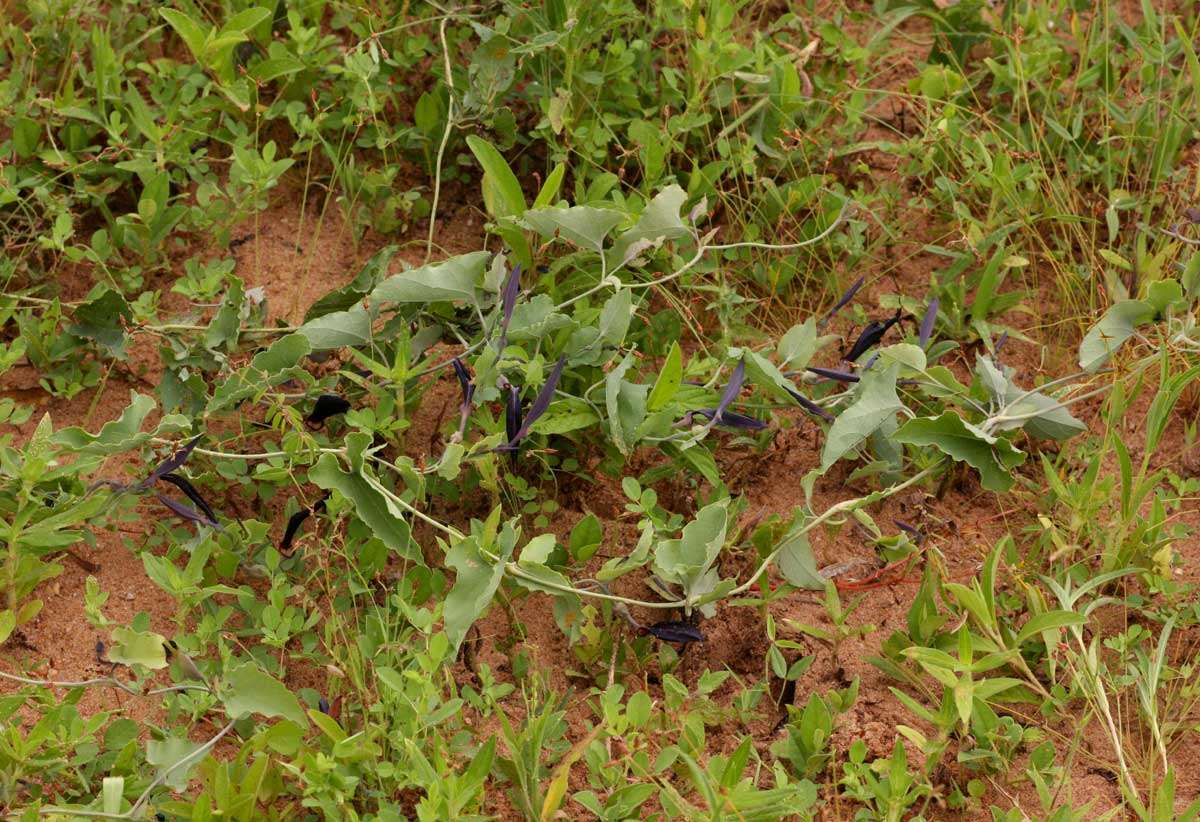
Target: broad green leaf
<point>502,195</point>
<point>993,457</point>
<point>8,623</point>
<point>536,318</point>
<point>763,373</point>
<point>346,297</point>
<point>585,226</point>
<point>130,647</point>
<point>370,505</point>
<point>1116,326</point>
<point>686,560</point>
<point>1052,420</point>
<point>1048,621</point>
<point>223,331</point>
<point>165,754</point>
<point>798,345</point>
<point>876,402</point>
<point>550,188</point>
<point>457,278</point>
<point>115,436</point>
<point>101,319</point>
<point>337,330</point>
<point>584,541</point>
<point>658,223</point>
<point>268,368</point>
<point>797,564</point>
<point>248,690</point>
<point>475,583</point>
<point>626,405</point>
<point>616,316</point>
<point>194,34</point>
<point>273,68</point>
<point>669,380</point>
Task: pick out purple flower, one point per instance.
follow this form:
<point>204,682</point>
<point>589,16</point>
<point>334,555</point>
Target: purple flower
<point>927,322</point>
<point>846,298</point>
<point>871,335</point>
<point>672,631</point>
<point>508,301</point>
<point>833,374</point>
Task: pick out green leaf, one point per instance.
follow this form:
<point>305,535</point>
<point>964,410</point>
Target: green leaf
<point>194,34</point>
<point>1051,420</point>
<point>669,380</point>
<point>370,505</point>
<point>122,434</point>
<point>993,457</point>
<point>130,647</point>
<point>223,330</point>
<point>346,297</point>
<point>616,316</point>
<point>1116,326</point>
<point>475,583</point>
<point>550,188</point>
<point>584,541</point>
<point>455,279</point>
<point>167,753</point>
<point>626,405</point>
<point>250,691</point>
<point>264,71</point>
<point>1048,621</point>
<point>337,330</point>
<point>798,345</point>
<point>797,564</point>
<point>268,368</point>
<point>100,319</point>
<point>585,226</point>
<point>502,195</point>
<point>686,560</point>
<point>658,223</point>
<point>876,402</point>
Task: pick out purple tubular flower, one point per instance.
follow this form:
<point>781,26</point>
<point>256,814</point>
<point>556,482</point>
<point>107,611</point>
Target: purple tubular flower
<point>846,298</point>
<point>468,391</point>
<point>732,389</point>
<point>927,322</point>
<point>917,535</point>
<point>512,414</point>
<point>182,510</point>
<point>326,406</point>
<point>540,403</point>
<point>191,493</point>
<point>730,419</point>
<point>295,521</point>
<point>871,335</point>
<point>672,631</point>
<point>810,406</point>
<point>175,461</point>
<point>508,301</point>
<point>1000,343</point>
<point>833,374</point>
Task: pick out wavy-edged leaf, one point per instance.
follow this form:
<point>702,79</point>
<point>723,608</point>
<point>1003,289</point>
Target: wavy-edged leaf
<point>455,279</point>
<point>876,402</point>
<point>993,457</point>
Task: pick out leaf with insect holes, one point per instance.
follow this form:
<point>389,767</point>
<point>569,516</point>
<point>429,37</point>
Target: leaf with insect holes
<point>660,221</point>
<point>454,280</point>
<point>584,226</point>
<point>685,561</point>
<point>248,690</point>
<point>626,405</point>
<point>993,457</point>
<point>875,402</point>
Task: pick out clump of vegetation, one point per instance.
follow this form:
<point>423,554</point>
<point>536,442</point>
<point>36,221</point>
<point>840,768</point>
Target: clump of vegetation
<point>826,390</point>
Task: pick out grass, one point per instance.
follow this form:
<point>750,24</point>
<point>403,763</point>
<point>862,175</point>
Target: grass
<point>702,581</point>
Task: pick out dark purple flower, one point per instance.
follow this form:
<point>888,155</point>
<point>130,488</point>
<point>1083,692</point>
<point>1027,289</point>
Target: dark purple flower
<point>326,406</point>
<point>871,335</point>
<point>323,706</point>
<point>833,374</point>
<point>540,403</point>
<point>810,406</point>
<point>927,322</point>
<point>468,393</point>
<point>672,631</point>
<point>512,413</point>
<point>191,493</point>
<point>732,389</point>
<point>729,419</point>
<point>846,298</point>
<point>508,301</point>
<point>174,461</point>
<point>295,521</point>
<point>1000,343</point>
<point>916,534</point>
<point>182,510</point>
